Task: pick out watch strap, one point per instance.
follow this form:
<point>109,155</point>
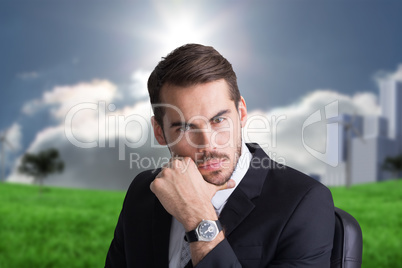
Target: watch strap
<point>191,236</point>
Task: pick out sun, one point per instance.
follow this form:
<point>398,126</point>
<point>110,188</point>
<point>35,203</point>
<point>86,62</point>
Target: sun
<point>175,23</point>
<point>179,25</point>
<point>183,30</point>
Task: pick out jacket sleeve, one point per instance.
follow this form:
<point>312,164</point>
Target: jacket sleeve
<point>307,238</point>
<point>221,256</point>
<point>116,254</point>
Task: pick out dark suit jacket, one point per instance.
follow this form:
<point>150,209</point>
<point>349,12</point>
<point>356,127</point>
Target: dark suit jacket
<point>276,217</point>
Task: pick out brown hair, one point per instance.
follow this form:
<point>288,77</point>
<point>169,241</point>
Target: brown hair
<point>189,65</point>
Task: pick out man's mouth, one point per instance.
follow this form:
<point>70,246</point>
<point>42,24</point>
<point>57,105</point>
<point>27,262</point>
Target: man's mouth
<point>212,164</point>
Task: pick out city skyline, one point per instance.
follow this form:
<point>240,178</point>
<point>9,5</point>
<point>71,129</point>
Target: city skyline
<point>366,141</point>
<point>291,59</point>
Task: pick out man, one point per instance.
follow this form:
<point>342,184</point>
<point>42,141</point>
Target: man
<point>220,202</point>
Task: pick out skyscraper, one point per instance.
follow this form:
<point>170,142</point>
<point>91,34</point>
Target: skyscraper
<point>361,159</point>
<point>391,108</point>
<point>350,128</point>
<point>383,136</point>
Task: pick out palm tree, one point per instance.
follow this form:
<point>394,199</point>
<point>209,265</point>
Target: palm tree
<point>393,164</point>
<point>41,165</point>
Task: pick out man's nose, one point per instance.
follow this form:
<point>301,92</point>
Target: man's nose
<point>203,138</point>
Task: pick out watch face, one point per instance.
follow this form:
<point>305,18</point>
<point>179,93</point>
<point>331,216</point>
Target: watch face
<point>207,230</point>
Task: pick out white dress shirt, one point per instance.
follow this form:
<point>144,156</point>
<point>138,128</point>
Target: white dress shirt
<point>218,201</point>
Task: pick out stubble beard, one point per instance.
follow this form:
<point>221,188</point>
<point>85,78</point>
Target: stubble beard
<point>212,177</point>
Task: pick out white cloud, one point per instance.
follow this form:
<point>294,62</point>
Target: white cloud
<point>283,138</point>
<point>397,75</point>
<point>386,75</point>
<point>62,98</point>
<point>32,107</point>
<point>139,86</point>
<point>117,133</point>
<point>65,97</point>
<point>87,116</point>
<point>366,103</point>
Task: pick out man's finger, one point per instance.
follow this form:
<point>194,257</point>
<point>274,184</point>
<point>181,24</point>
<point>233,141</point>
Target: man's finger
<point>227,185</point>
<point>151,186</point>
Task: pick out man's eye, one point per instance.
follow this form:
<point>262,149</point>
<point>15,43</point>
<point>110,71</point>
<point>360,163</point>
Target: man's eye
<point>217,120</point>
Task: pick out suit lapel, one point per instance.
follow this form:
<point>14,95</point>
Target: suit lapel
<point>240,203</point>
<point>161,235</point>
<point>239,206</point>
<point>234,212</point>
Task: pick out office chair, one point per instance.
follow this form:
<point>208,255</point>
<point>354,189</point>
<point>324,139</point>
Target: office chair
<point>348,241</point>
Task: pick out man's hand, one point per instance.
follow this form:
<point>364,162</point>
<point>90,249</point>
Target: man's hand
<point>184,193</point>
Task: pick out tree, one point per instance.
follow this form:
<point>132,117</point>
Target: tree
<point>393,164</point>
<point>41,165</point>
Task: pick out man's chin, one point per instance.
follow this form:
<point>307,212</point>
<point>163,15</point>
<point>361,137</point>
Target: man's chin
<point>217,178</point>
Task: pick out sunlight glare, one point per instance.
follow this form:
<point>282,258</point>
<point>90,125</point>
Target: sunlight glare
<point>179,27</point>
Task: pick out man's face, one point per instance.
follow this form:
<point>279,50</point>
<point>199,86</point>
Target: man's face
<point>201,122</point>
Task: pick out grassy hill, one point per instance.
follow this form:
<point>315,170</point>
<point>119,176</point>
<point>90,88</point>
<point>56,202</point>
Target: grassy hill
<point>378,209</point>
<point>59,228</point>
<point>73,228</point>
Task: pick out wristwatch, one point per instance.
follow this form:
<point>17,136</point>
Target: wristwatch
<point>206,231</point>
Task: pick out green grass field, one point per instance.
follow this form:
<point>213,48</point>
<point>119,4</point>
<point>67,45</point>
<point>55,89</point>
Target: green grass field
<point>378,209</point>
<point>73,228</point>
<point>59,228</point>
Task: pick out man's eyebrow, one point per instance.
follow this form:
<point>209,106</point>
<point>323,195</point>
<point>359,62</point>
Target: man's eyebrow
<point>181,124</point>
<point>219,114</point>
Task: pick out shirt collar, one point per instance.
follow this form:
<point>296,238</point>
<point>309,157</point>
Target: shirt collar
<point>220,198</point>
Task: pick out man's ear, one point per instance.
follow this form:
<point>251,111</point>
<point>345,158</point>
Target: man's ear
<point>158,132</point>
<point>242,111</point>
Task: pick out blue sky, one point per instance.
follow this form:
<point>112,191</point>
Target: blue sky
<point>282,51</point>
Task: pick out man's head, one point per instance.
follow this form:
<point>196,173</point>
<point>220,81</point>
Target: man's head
<point>198,109</point>
<point>189,65</point>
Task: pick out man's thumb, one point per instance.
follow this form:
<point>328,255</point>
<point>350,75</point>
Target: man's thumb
<point>227,185</point>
